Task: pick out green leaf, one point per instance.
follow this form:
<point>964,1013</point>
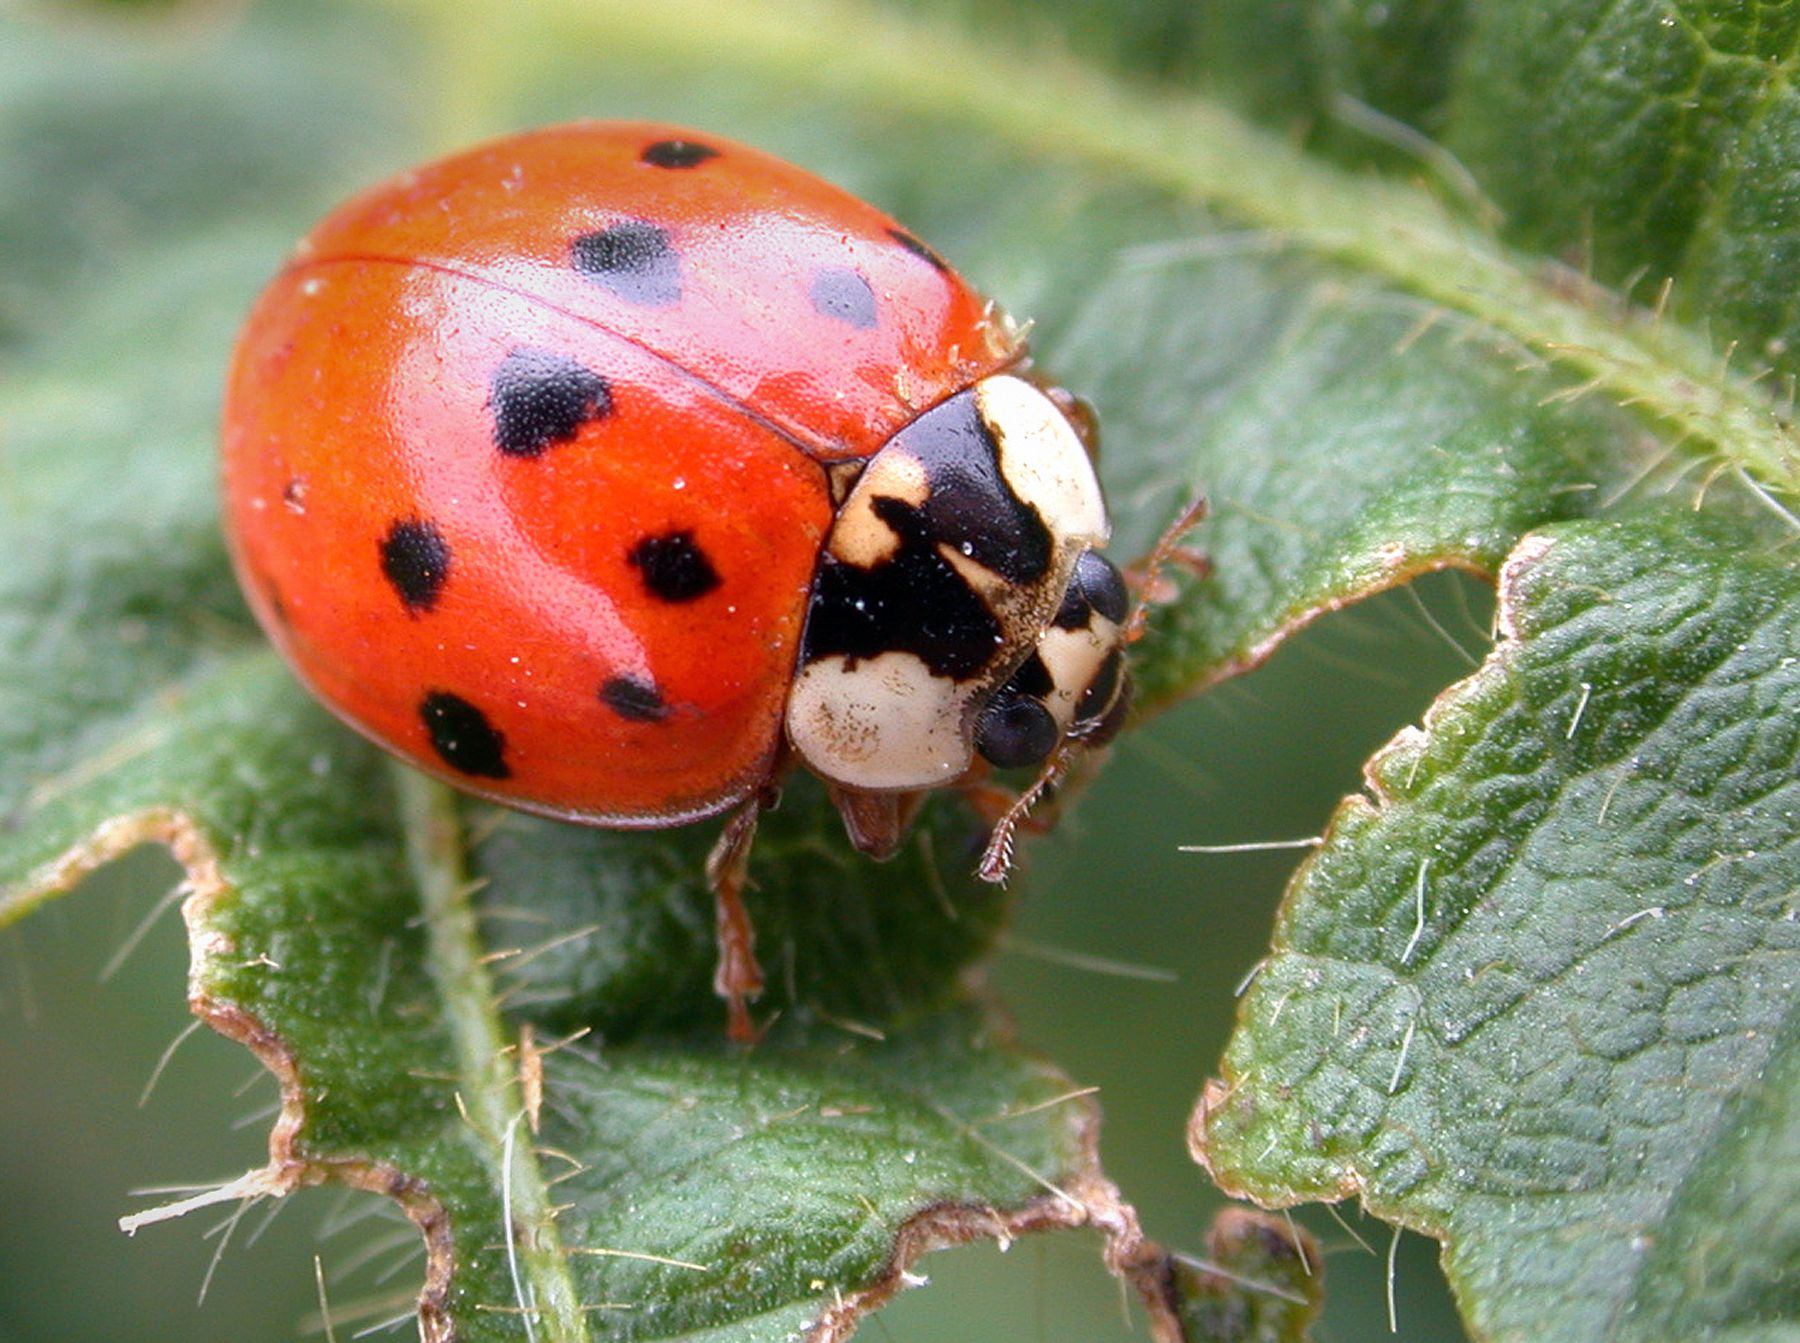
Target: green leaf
<point>1369,372</point>
<point>1544,980</point>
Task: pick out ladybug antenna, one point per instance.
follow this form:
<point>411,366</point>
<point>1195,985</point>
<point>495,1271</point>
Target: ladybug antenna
<point>997,858</point>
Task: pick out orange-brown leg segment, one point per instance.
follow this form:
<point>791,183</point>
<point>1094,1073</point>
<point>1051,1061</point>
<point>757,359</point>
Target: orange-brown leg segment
<point>738,977</point>
<point>1145,577</point>
<point>877,822</point>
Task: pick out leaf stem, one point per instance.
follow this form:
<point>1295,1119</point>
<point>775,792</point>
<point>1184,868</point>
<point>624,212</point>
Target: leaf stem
<point>487,1082</point>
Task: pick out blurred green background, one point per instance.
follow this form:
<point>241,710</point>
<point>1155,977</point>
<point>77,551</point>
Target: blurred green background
<point>1166,937</point>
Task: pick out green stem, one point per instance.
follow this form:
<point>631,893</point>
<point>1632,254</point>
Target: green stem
<point>486,1073</point>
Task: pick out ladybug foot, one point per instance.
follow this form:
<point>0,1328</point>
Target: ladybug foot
<point>738,978</point>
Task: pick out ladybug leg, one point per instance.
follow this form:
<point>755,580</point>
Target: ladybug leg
<point>1146,576</point>
<point>738,977</point>
<point>997,858</point>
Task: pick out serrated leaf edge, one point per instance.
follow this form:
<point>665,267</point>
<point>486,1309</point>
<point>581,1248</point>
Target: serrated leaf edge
<point>286,1170</point>
<point>1089,1199</point>
<point>1358,809</point>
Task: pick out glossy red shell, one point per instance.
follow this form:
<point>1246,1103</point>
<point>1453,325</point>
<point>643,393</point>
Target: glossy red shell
<point>362,402</point>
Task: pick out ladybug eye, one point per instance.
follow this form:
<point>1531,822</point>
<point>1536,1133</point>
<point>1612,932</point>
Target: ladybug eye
<point>1096,587</point>
<point>1015,730</point>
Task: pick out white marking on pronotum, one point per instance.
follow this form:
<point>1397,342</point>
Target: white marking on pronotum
<point>1042,458</point>
<point>886,723</point>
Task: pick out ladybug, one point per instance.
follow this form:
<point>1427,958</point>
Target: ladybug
<point>610,470</point>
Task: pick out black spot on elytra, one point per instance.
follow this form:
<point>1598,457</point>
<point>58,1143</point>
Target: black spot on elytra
<point>677,154</point>
<point>1096,585</point>
<point>639,701</point>
<point>635,260</point>
<point>673,567</point>
<point>463,737</point>
<point>919,249</point>
<point>416,560</point>
<point>541,398</point>
<point>842,294</point>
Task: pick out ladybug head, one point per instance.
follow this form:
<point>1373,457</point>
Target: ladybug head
<point>961,605</point>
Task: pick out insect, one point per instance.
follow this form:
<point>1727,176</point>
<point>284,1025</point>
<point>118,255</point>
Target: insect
<point>610,470</point>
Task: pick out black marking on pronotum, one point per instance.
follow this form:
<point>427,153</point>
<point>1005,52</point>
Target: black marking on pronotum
<point>635,260</point>
<point>919,248</point>
<point>912,602</point>
<point>1032,679</point>
<point>540,398</point>
<point>631,698</point>
<point>415,558</point>
<point>674,568</point>
<point>972,507</point>
<point>841,294</point>
<point>677,154</point>
<point>1102,690</point>
<point>463,737</point>
<point>1095,586</point>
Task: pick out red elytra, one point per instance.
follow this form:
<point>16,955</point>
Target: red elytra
<point>360,399</point>
<point>531,454</point>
